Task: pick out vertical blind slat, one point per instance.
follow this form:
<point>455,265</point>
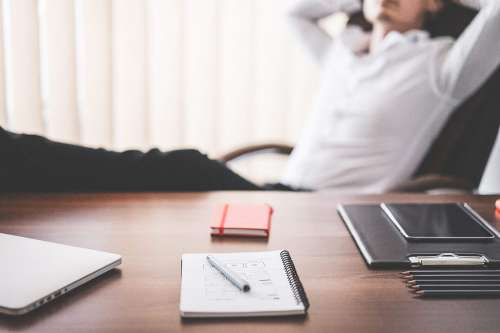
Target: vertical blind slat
<point>24,99</point>
<point>201,70</point>
<point>236,73</point>
<point>3,114</point>
<point>273,70</point>
<point>58,53</point>
<point>94,71</point>
<point>236,32</point>
<point>130,82</point>
<point>272,84</point>
<point>165,72</point>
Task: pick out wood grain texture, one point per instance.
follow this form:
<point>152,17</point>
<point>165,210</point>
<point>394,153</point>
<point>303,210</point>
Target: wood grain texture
<point>152,230</point>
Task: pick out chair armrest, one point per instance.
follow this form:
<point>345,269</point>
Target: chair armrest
<point>432,182</point>
<point>256,149</point>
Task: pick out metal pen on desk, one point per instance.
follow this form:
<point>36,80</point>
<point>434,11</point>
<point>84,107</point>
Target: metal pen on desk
<point>229,274</point>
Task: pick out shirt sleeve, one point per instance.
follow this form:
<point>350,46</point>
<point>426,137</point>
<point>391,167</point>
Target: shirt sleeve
<point>475,55</point>
<point>304,16</point>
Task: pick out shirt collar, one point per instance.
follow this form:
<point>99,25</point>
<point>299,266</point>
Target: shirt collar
<point>395,37</point>
<point>357,40</point>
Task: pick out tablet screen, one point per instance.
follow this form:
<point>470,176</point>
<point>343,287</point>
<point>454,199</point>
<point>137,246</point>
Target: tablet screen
<point>436,221</point>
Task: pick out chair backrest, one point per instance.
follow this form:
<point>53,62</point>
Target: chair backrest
<point>463,147</point>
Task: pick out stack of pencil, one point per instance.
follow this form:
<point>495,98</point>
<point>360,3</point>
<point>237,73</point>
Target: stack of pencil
<point>453,283</point>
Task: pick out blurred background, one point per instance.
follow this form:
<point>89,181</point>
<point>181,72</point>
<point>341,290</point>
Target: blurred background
<point>121,74</point>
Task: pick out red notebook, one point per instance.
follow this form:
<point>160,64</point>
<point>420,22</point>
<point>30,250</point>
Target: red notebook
<point>242,220</point>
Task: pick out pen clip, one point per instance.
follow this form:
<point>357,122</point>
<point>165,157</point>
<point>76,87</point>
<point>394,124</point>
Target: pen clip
<point>448,259</point>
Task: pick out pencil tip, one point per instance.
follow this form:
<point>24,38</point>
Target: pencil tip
<point>413,286</point>
<point>411,283</point>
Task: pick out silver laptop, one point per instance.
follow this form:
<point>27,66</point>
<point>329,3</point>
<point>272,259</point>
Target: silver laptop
<point>34,272</point>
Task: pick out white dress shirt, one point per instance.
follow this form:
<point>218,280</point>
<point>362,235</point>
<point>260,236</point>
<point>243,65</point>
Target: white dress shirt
<point>378,113</point>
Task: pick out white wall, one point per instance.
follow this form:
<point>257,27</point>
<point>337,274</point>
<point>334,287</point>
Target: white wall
<point>491,179</point>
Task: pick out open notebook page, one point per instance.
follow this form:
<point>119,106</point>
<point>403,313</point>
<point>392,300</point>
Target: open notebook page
<point>207,293</point>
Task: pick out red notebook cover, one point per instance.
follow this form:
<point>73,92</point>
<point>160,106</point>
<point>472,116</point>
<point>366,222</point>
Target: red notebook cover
<point>242,220</point>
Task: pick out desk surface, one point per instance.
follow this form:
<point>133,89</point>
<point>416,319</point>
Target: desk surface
<point>151,231</point>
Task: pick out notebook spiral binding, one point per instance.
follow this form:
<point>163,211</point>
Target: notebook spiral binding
<point>293,279</point>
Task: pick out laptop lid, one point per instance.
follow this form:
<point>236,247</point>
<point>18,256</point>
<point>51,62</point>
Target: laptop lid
<point>35,272</point>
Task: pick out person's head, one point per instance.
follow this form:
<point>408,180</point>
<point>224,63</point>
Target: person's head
<point>401,15</point>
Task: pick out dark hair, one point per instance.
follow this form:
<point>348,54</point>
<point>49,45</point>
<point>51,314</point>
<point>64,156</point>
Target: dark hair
<point>450,21</point>
<point>431,18</point>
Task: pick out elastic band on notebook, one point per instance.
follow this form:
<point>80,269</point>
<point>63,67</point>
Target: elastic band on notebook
<point>223,219</point>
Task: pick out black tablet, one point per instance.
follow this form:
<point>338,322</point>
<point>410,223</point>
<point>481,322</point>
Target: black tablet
<point>437,221</point>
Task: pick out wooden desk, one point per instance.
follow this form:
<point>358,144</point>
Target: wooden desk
<point>151,231</point>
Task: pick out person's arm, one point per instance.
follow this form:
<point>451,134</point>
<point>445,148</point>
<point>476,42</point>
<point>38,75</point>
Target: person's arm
<point>475,55</point>
<point>304,16</point>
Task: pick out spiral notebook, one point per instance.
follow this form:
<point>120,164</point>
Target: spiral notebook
<point>276,289</point>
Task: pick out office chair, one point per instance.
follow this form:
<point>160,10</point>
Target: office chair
<point>457,158</point>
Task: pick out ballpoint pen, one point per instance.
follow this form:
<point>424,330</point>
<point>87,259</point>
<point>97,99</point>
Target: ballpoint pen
<point>229,274</point>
